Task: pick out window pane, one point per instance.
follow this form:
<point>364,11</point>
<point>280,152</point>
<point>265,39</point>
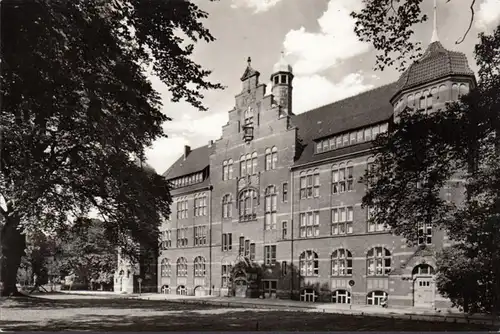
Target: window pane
<point>353,138</point>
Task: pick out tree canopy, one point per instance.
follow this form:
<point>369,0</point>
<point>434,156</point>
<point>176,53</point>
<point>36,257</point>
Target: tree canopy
<point>78,110</point>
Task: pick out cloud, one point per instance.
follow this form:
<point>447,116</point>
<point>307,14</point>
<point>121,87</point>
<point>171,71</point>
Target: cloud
<point>336,41</point>
<point>310,92</point>
<point>258,5</point>
<point>488,15</point>
<point>186,130</point>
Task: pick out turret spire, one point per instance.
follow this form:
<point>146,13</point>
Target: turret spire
<point>435,37</point>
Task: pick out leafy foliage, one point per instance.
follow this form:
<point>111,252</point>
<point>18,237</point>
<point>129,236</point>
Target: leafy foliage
<point>463,143</point>
<point>86,252</point>
<point>78,111</point>
<point>388,25</point>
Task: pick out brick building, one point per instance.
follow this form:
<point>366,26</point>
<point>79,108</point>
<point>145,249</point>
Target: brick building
<point>273,207</point>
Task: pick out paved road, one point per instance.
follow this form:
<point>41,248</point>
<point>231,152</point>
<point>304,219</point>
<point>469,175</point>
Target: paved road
<point>116,313</point>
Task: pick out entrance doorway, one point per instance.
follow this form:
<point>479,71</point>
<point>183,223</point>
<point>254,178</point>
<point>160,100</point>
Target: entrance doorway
<point>241,287</point>
<point>199,291</point>
<point>423,286</point>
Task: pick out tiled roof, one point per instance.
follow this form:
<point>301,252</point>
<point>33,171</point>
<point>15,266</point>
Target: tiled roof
<point>354,112</point>
<point>436,62</point>
<point>197,160</point>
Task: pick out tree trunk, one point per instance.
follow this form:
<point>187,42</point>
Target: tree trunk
<point>13,244</point>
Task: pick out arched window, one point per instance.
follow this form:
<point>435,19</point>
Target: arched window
<point>418,100</point>
<point>410,101</point>
<point>342,178</point>
<point>454,92</point>
<point>341,297</point>
<point>199,267</point>
<point>248,205</point>
<point>274,153</point>
<point>249,163</point>
<point>227,170</point>
<point>182,267</point>
<point>271,201</point>
<point>464,90</point>
<point>376,297</point>
<point>166,269</point>
<point>268,158</point>
<point>341,262</point>
<point>378,261</point>
<point>309,264</point>
<point>254,163</point>
<point>165,289</point>
<point>425,98</point>
<point>433,98</point>
<point>423,270</point>
<point>227,206</point>
<point>444,94</point>
<point>181,290</point>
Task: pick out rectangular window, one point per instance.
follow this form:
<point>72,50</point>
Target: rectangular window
<point>230,173</point>
<point>166,239</point>
<point>342,219</point>
<point>368,134</point>
<point>284,230</point>
<point>319,147</point>
<point>383,127</point>
<point>252,252</point>
<point>373,226</point>
<point>200,235</point>
<point>182,240</point>
<point>200,206</point>
<point>346,139</point>
<point>285,192</point>
<point>309,224</point>
<point>241,248</point>
<point>309,186</point>
<point>270,255</point>
<point>247,247</point>
<point>225,172</point>
<point>375,131</point>
<point>243,168</point>
<point>227,242</point>
<point>424,234</point>
<point>182,209</point>
<point>284,269</point>
<point>339,141</point>
<point>325,145</point>
<point>353,138</point>
<point>332,143</point>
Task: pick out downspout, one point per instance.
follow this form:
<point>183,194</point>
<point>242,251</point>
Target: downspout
<point>210,238</point>
<point>292,189</point>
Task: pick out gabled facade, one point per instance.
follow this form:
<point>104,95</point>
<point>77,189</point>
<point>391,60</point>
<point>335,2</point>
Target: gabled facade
<point>273,208</point>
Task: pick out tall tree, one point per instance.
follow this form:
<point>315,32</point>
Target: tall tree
<point>86,251</point>
<point>77,110</point>
<point>420,154</point>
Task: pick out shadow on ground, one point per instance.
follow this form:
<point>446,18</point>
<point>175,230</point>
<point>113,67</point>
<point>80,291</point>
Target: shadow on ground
<point>168,316</point>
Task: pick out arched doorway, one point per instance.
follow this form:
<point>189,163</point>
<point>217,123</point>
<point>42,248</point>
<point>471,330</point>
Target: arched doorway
<point>240,286</point>
<point>423,286</point>
<point>200,291</point>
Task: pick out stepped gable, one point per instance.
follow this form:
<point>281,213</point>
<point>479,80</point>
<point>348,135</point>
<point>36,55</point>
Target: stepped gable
<point>435,63</point>
<point>361,110</point>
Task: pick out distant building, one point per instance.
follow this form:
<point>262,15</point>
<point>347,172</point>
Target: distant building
<point>278,198</point>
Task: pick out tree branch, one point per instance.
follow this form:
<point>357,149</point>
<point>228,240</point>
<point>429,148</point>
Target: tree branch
<point>470,23</point>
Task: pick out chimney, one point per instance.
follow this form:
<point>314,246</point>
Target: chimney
<point>187,150</point>
<point>210,143</point>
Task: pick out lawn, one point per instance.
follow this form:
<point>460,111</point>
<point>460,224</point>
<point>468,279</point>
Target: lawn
<point>119,314</point>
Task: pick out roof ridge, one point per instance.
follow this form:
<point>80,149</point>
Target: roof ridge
<point>347,98</point>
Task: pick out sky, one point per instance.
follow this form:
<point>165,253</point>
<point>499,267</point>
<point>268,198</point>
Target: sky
<point>318,40</point>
